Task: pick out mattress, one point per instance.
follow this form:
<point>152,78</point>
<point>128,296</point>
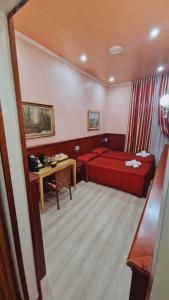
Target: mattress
<point>129,156</point>
<point>114,173</point>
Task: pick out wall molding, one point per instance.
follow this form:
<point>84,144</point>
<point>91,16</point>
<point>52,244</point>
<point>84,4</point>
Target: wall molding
<point>115,85</point>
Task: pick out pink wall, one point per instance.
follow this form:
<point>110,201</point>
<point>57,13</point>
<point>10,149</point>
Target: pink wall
<point>46,79</point>
<point>117,108</point>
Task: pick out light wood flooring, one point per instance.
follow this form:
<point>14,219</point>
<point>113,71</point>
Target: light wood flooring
<point>87,243</point>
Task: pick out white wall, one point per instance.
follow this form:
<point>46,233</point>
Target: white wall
<point>9,110</point>
<point>117,108</point>
<point>7,5</point>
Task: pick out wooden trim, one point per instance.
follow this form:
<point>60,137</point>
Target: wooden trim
<point>87,144</point>
<point>23,141</point>
<point>139,286</point>
<point>102,135</point>
<point>9,290</point>
<point>66,141</point>
<point>153,202</point>
<point>116,141</point>
<point>17,7</point>
<point>12,209</point>
<point>141,254</point>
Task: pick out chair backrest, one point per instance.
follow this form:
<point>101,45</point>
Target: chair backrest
<point>63,178</point>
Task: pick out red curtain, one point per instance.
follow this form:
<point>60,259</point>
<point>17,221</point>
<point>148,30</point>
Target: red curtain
<point>163,122</point>
<point>140,117</point>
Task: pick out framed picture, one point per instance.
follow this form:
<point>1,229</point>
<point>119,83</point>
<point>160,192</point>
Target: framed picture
<point>38,120</point>
<point>93,120</point>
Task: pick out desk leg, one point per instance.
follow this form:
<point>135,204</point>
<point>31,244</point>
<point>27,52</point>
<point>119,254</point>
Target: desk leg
<point>41,194</point>
<point>74,176</point>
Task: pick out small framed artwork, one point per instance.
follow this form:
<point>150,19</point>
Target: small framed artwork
<point>38,120</point>
<point>93,120</point>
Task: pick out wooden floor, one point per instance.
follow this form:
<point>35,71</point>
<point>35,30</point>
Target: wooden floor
<point>87,243</point>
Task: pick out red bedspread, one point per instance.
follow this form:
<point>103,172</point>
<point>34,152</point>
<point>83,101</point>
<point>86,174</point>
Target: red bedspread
<point>114,173</point>
<point>129,156</point>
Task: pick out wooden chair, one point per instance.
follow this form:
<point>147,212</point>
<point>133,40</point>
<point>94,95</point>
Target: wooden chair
<point>60,180</point>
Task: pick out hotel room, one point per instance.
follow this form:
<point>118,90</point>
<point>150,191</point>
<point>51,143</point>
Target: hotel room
<point>84,115</point>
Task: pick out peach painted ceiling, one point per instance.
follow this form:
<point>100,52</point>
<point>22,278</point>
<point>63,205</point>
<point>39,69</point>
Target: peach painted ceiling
<point>72,27</point>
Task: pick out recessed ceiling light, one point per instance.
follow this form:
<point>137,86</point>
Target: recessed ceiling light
<point>83,57</point>
<point>116,50</point>
<point>111,78</point>
<point>160,68</point>
<point>154,32</point>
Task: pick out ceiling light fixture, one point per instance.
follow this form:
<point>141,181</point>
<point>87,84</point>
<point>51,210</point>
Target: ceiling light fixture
<point>160,68</point>
<point>116,50</point>
<point>154,32</point>
<point>83,57</point>
<point>111,78</point>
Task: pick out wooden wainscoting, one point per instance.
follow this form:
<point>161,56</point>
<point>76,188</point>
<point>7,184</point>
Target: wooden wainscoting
<point>87,144</point>
<point>116,141</point>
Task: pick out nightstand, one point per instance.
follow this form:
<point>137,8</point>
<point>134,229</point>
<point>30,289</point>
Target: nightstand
<point>80,170</point>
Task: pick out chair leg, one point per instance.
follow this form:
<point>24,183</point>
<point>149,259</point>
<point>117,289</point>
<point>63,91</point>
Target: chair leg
<point>70,192</point>
<point>57,199</point>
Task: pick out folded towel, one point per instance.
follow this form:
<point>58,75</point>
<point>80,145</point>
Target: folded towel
<point>128,163</point>
<point>133,163</point>
<point>143,154</point>
<point>136,164</point>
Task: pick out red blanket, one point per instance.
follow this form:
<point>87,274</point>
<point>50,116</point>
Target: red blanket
<point>114,173</point>
<point>129,156</point>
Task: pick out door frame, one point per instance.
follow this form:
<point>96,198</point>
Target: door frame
<point>23,142</point>
<point>10,289</point>
<point>11,205</point>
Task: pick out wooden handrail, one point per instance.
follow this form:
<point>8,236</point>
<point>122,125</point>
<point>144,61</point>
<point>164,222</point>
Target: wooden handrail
<point>141,254</point>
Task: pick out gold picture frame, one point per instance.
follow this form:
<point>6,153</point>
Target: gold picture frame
<point>38,120</point>
<point>93,120</point>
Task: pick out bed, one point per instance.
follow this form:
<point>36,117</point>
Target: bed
<point>125,156</point>
<point>107,167</point>
<point>113,172</point>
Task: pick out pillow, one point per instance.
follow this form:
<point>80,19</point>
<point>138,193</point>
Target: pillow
<point>87,157</point>
<point>100,150</point>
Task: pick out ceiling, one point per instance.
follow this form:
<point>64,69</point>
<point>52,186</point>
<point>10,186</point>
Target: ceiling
<point>70,28</point>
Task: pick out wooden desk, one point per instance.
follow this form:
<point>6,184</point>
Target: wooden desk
<point>47,171</point>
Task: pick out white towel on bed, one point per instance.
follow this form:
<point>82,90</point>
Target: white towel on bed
<point>143,154</point>
<point>133,163</point>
